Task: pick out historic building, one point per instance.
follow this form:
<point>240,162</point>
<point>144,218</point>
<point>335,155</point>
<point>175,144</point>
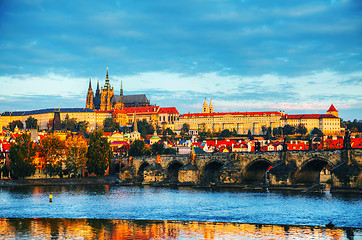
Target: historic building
<point>329,124</point>
<point>243,122</point>
<point>44,116</point>
<point>104,99</point>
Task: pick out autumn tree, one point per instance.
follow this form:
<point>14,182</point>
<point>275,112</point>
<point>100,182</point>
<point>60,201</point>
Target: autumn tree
<point>52,149</point>
<point>99,153</point>
<point>76,153</point>
<point>31,123</point>
<point>21,155</point>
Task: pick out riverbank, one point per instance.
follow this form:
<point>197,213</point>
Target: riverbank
<point>106,180</point>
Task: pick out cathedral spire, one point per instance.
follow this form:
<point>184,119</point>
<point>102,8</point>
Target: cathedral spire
<point>107,85</point>
<point>90,84</point>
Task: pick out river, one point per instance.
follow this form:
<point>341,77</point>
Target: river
<point>185,210</point>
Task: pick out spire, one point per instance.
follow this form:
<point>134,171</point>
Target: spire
<point>121,88</point>
<point>90,84</point>
<point>107,85</point>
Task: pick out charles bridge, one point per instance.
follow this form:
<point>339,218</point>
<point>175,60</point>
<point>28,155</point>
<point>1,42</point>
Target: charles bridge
<point>279,169</point>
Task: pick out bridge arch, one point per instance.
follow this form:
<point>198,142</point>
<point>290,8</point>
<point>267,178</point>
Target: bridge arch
<point>141,170</point>
<point>172,171</point>
<point>256,170</point>
<point>211,172</point>
<point>309,172</point>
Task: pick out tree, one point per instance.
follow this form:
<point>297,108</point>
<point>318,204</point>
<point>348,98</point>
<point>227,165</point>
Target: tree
<point>288,130</point>
<point>13,125</point>
<point>69,124</point>
<point>157,148</point>
<point>268,134</point>
<point>99,153</point>
<point>278,131</point>
<point>145,128</point>
<point>21,155</point>
<point>81,127</point>
<point>225,133</point>
<point>52,149</point>
<point>76,154</point>
<point>249,134</point>
<point>31,123</point>
<point>185,128</point>
<point>317,131</point>
<point>138,148</point>
<point>110,125</point>
<point>301,129</point>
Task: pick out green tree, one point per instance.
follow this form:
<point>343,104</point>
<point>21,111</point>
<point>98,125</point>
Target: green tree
<point>76,154</point>
<point>278,131</point>
<point>138,148</point>
<point>21,155</point>
<point>301,129</point>
<point>288,130</point>
<point>69,124</point>
<point>81,127</point>
<point>157,148</point>
<point>249,134</point>
<point>99,153</point>
<point>52,149</point>
<point>317,132</point>
<point>145,128</point>
<point>110,125</point>
<point>13,125</point>
<point>31,123</point>
<point>225,133</point>
<point>185,128</point>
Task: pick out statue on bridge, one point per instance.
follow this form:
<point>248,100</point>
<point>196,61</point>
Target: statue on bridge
<point>347,140</point>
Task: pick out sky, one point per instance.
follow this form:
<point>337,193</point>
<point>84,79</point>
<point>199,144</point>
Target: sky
<point>245,55</point>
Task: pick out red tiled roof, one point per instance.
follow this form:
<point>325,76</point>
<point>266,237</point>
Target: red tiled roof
<point>168,110</point>
<point>142,110</point>
<point>332,109</point>
<point>307,116</point>
<point>231,113</point>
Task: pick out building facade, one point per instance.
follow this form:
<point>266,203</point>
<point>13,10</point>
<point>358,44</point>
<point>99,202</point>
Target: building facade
<point>329,124</point>
<point>255,122</point>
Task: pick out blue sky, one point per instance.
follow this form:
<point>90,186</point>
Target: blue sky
<point>295,56</point>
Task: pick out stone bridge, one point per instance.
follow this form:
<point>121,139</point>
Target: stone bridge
<point>282,168</point>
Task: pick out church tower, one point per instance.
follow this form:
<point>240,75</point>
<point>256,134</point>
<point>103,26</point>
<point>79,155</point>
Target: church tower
<point>205,107</point>
<point>211,108</point>
<point>106,95</point>
<point>89,101</point>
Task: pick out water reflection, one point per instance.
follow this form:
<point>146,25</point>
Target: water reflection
<point>60,228</point>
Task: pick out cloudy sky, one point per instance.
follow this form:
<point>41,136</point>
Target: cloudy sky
<point>246,55</point>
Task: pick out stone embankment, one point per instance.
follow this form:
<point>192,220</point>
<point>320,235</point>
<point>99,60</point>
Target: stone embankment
<point>107,180</point>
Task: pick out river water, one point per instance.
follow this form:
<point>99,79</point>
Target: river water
<point>183,213</point>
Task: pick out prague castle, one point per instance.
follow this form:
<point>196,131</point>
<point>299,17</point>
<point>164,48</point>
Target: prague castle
<point>104,99</point>
<point>125,109</point>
